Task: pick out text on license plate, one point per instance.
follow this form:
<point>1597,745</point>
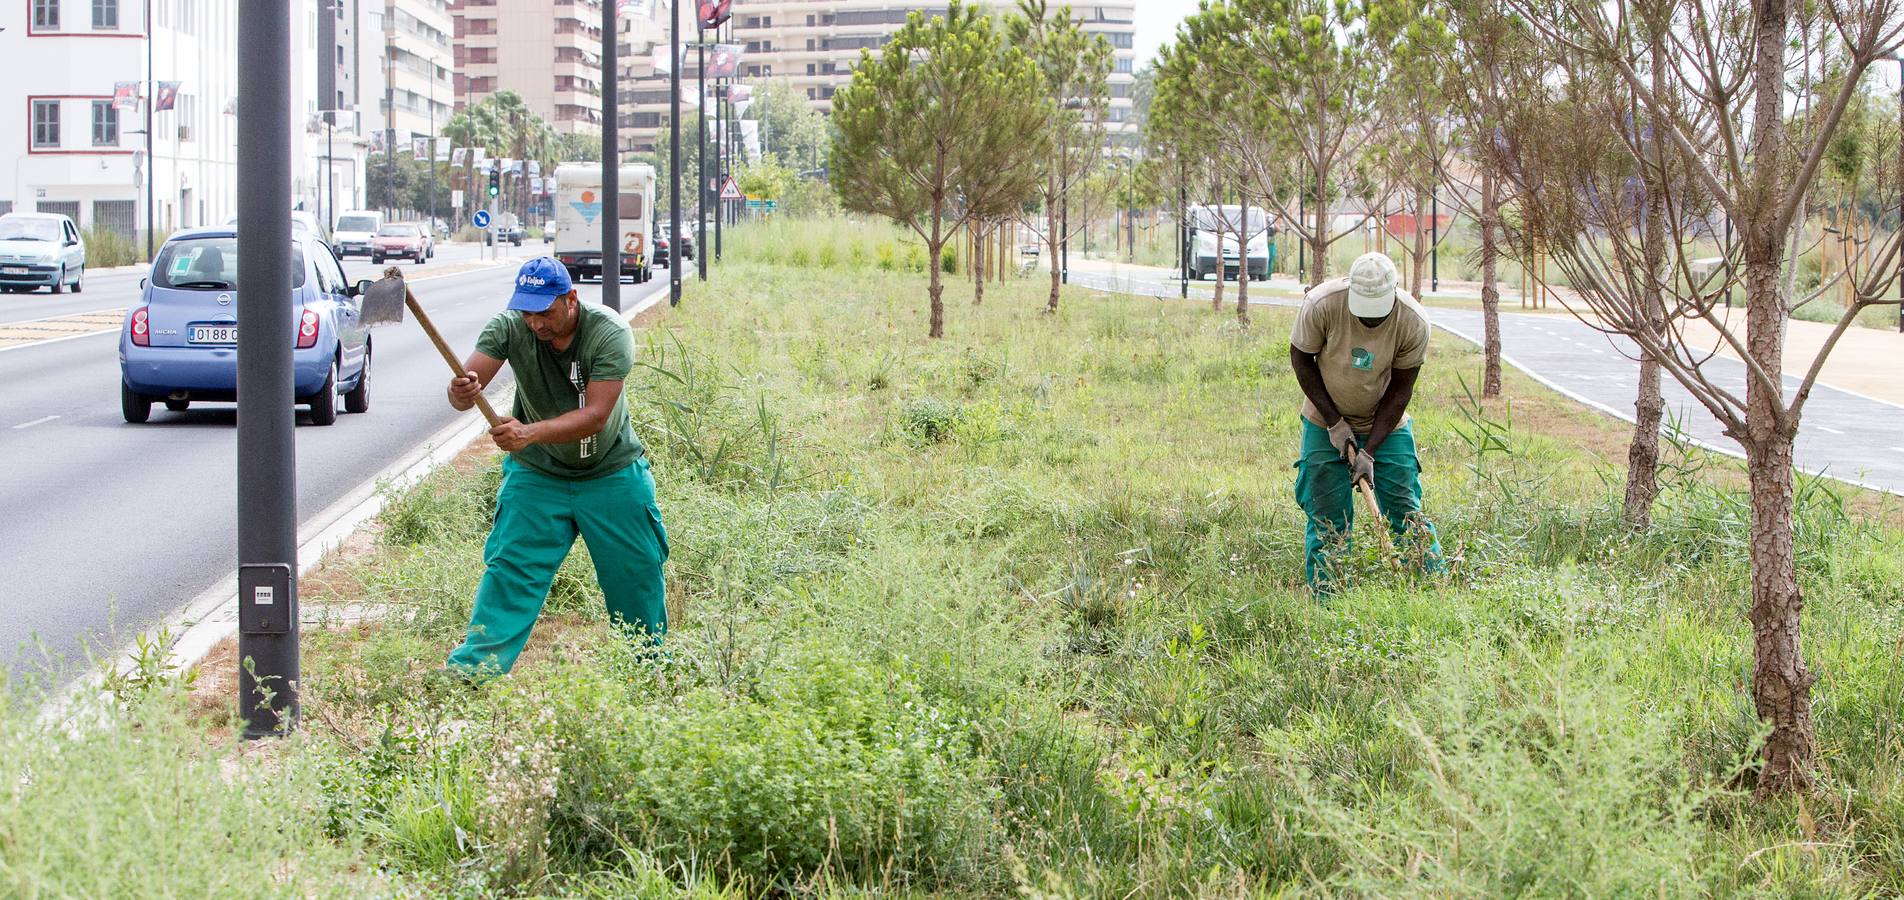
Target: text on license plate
<point>15,270</point>
<point>213,334</point>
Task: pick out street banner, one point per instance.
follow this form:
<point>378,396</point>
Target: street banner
<point>630,9</point>
<point>420,148</point>
<point>166,97</point>
<point>740,93</point>
<point>125,95</point>
<point>663,60</point>
<point>724,62</point>
<point>459,156</point>
<point>690,95</point>
<point>715,13</point>
<point>750,139</point>
<point>535,168</point>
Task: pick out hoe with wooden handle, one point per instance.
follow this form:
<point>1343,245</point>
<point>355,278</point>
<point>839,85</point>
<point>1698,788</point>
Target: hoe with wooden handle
<point>383,303</point>
<point>1367,491</point>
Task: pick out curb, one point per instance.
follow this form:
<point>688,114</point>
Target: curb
<point>206,620</point>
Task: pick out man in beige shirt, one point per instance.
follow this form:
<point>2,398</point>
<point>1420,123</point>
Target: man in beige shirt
<point>1357,348</point>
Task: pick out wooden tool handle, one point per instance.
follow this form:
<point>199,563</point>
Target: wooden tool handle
<point>456,365</point>
<point>1367,490</point>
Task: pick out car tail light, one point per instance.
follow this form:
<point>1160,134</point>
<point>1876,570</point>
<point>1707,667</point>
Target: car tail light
<point>307,330</point>
<point>141,328</point>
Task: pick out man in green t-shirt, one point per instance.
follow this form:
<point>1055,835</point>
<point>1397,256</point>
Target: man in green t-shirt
<point>1356,349</point>
<point>574,467</point>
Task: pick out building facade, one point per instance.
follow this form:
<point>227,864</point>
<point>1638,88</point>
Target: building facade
<point>548,51</point>
<point>419,69</point>
<point>65,146</point>
<point>814,45</point>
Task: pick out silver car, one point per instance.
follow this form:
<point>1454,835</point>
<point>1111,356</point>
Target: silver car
<point>40,250</point>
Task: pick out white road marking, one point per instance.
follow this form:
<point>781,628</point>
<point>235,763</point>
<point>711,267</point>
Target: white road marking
<point>43,421</point>
<point>1829,430</point>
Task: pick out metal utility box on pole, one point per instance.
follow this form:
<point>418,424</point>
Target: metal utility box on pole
<point>267,451</point>
<point>611,162</point>
<point>674,154</point>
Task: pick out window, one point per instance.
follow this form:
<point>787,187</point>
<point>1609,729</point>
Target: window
<point>46,123</point>
<point>6,206</point>
<point>645,120</point>
<point>1121,39</point>
<point>46,14</point>
<point>106,14</point>
<point>117,215</point>
<point>1124,66</point>
<point>105,124</point>
<point>340,54</point>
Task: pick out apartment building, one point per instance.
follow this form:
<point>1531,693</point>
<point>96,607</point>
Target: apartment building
<point>548,51</point>
<point>815,43</point>
<point>419,68</point>
<point>65,147</point>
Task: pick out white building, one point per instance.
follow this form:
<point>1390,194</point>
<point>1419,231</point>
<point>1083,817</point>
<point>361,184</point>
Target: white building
<point>65,148</point>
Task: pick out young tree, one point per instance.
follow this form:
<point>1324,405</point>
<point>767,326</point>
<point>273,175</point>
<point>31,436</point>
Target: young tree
<point>1075,66</point>
<point>923,126</point>
<point>1713,89</point>
<point>790,128</point>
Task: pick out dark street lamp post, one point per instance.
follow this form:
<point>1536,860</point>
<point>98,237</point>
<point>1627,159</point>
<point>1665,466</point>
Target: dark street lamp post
<point>611,161</point>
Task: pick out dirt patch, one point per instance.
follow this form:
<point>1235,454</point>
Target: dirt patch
<point>650,315</point>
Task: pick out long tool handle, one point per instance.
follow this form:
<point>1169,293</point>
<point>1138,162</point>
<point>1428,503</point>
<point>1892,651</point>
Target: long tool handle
<point>1367,490</point>
<point>456,365</point>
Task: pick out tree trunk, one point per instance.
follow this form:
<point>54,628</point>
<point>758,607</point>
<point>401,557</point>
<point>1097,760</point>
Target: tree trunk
<point>1242,259</point>
<point>1420,254</point>
<point>1490,293</point>
<point>1216,298</point>
<point>1052,241</point>
<point>1642,456</point>
<point>935,286</point>
<point>1319,241</point>
<point>978,265</point>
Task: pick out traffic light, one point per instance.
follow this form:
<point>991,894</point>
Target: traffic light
<point>495,181</point>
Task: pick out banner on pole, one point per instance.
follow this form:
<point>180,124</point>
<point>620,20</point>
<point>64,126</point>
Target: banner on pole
<point>663,60</point>
<point>166,96</point>
<point>714,13</point>
<point>125,95</point>
<point>724,61</point>
<point>420,148</point>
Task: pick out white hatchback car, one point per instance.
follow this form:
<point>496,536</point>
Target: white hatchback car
<point>40,250</point>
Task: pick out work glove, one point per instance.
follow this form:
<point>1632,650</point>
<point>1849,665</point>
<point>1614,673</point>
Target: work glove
<point>1362,468</point>
<point>1342,436</point>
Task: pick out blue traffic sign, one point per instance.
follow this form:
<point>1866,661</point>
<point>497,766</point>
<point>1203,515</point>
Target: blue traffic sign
<point>482,218</point>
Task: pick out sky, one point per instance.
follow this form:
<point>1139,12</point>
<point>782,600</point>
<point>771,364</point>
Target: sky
<point>1156,23</point>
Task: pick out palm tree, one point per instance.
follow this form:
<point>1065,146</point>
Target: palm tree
<point>474,127</point>
<point>515,130</point>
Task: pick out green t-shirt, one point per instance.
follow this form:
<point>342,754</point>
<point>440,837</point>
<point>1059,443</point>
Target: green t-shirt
<point>550,383</point>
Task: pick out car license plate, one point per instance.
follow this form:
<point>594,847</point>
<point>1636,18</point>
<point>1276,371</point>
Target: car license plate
<point>15,270</point>
<point>213,334</point>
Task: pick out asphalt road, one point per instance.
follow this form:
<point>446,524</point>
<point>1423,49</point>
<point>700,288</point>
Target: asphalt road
<point>110,526</point>
<point>1841,434</point>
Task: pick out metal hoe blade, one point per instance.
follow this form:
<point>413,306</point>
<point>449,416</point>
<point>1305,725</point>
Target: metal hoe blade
<point>383,299</point>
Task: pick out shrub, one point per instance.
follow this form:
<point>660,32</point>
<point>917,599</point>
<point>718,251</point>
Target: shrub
<point>928,419</point>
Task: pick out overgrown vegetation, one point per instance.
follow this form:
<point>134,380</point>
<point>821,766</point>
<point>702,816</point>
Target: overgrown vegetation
<point>1019,613</point>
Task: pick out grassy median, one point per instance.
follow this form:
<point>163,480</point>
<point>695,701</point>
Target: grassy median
<point>1019,612</point>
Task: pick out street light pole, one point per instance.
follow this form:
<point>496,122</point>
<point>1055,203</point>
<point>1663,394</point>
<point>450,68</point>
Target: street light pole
<point>700,134</point>
<point>268,679</point>
<point>674,154</point>
<point>611,161</point>
<point>151,164</point>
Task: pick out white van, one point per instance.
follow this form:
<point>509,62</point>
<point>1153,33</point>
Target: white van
<point>578,225</point>
<point>1214,223</point>
<point>356,231</point>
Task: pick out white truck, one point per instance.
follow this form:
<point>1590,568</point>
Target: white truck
<point>355,232</point>
<point>578,227</point>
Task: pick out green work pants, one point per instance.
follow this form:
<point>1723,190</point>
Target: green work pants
<point>1329,501</point>
<point>537,519</point>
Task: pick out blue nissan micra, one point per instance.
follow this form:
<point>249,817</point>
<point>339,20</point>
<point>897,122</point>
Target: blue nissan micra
<point>180,343</point>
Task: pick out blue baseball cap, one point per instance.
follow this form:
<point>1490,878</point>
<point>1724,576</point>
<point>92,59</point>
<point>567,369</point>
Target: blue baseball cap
<point>538,283</point>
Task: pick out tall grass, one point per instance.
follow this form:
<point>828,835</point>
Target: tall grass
<point>1019,612</point>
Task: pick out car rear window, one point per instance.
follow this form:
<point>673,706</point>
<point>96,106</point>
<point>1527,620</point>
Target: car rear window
<point>357,223</point>
<point>399,231</point>
<point>209,264</point>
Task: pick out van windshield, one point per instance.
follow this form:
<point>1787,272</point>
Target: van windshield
<point>209,264</point>
<point>357,223</point>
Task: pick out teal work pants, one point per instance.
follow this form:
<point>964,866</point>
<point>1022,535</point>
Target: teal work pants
<point>1328,499</point>
<point>537,519</point>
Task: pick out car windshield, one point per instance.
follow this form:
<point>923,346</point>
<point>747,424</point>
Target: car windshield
<point>209,264</point>
<point>357,223</point>
<point>25,229</point>
<point>398,231</point>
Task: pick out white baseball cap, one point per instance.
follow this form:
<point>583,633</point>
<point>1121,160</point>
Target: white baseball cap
<point>1372,279</point>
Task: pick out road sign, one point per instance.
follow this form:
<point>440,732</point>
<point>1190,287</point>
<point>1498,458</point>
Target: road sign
<point>481,219</point>
<point>731,190</point>
<point>761,204</point>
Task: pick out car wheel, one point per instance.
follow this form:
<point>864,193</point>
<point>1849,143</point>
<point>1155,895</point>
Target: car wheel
<point>177,405</point>
<point>420,259</point>
<point>376,260</point>
<point>358,399</point>
<point>134,406</point>
<point>59,284</point>
<point>324,402</point>
<point>77,287</point>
